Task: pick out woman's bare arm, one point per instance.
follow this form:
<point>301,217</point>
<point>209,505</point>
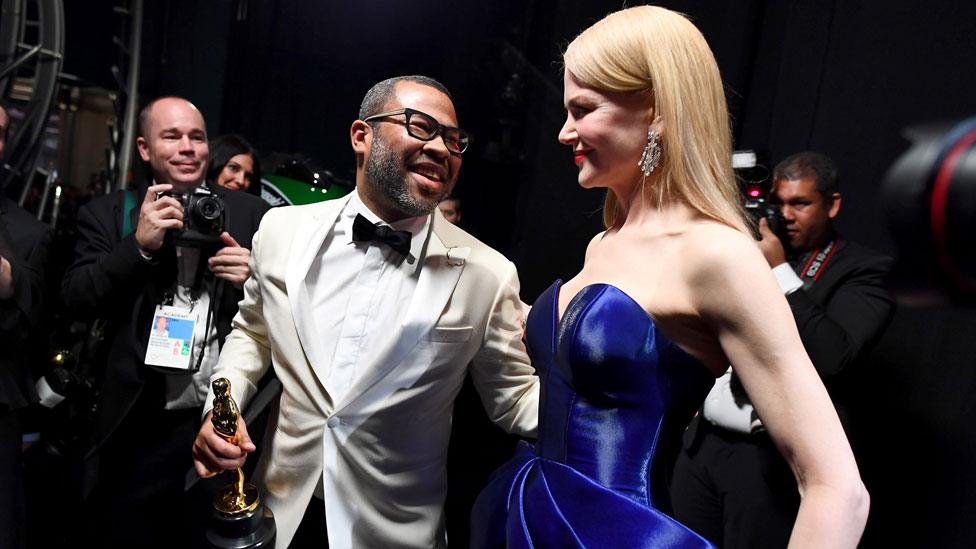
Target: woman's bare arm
<point>735,293</point>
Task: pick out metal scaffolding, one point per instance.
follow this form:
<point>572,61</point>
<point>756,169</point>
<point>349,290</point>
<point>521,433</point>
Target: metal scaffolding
<point>31,53</point>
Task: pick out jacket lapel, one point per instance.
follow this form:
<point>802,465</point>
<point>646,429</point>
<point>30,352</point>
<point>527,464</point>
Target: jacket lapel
<point>439,275</point>
<point>306,246</point>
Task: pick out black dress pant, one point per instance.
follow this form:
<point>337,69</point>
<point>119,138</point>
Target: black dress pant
<point>735,490</point>
<point>11,480</point>
<point>139,500</point>
<point>312,532</point>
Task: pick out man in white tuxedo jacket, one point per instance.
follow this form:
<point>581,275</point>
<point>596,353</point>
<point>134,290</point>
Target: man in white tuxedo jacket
<point>371,339</point>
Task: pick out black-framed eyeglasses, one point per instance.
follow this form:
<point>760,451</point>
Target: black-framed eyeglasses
<point>424,127</point>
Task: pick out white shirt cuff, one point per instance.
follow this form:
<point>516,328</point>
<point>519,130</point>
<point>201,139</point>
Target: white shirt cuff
<point>788,281</point>
<point>721,409</point>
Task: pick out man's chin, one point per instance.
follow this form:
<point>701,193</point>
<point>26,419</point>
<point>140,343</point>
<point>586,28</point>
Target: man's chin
<point>796,247</point>
<point>422,208</point>
<point>428,200</point>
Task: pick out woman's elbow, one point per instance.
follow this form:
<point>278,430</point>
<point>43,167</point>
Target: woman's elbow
<point>860,504</point>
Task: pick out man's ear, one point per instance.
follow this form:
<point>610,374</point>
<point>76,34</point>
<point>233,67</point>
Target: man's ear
<point>361,136</point>
<point>834,207</point>
<point>143,147</point>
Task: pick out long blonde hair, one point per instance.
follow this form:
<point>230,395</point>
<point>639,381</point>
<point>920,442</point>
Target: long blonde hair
<point>654,50</point>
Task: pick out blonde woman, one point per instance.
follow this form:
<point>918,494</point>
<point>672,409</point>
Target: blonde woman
<point>670,294</point>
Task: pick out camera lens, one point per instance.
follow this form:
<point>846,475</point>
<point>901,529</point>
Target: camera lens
<point>930,202</point>
<point>209,208</point>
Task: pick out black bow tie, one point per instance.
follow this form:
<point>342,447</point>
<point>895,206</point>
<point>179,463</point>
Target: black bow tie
<point>364,231</point>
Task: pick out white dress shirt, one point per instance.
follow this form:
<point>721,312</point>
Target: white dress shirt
<point>359,292</point>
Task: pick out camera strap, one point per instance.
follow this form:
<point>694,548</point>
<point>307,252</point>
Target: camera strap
<point>212,294</point>
<point>129,204</point>
<point>817,261</point>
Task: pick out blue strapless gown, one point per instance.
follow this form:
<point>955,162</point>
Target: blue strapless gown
<point>616,394</point>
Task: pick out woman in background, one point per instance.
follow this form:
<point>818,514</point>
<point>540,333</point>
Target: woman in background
<point>671,293</point>
<point>234,164</point>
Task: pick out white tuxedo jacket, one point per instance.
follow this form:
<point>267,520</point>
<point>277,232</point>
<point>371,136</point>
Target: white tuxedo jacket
<point>380,452</point>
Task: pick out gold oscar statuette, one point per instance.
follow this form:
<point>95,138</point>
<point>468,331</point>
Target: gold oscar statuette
<point>238,497</point>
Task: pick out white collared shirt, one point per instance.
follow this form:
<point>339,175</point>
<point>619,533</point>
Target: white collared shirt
<point>360,292</point>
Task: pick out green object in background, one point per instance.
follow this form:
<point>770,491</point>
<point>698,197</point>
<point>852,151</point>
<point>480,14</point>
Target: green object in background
<point>279,190</point>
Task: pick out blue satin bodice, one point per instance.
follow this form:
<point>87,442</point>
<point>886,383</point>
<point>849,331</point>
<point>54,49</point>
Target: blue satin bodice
<point>616,393</point>
<point>612,384</point>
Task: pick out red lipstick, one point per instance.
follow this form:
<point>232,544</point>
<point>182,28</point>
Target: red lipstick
<point>578,157</point>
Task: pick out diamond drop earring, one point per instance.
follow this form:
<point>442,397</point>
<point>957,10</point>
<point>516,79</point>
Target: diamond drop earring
<point>651,156</point>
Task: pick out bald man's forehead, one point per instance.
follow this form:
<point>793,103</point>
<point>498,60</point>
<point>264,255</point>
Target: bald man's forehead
<point>168,114</point>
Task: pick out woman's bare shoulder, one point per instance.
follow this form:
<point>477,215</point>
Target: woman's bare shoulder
<point>725,269</point>
<point>709,244</point>
<point>595,241</point>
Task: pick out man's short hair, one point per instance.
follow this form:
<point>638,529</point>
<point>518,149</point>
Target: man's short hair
<point>382,92</point>
<point>810,165</point>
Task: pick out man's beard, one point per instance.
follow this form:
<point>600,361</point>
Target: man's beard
<point>387,174</point>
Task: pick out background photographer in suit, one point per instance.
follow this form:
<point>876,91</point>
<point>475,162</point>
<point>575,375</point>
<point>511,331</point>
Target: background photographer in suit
<point>136,252</point>
<point>24,243</point>
<point>730,484</point>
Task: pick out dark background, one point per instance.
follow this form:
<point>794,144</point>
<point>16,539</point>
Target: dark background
<point>840,77</point>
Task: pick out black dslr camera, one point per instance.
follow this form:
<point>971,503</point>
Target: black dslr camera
<point>754,178</point>
<point>204,218</point>
<point>758,207</point>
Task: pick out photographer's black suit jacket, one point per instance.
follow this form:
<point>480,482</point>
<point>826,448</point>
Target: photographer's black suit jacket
<point>24,242</point>
<point>109,279</point>
<point>842,314</point>
<point>28,240</point>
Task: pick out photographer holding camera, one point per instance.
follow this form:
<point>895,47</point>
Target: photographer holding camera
<point>730,484</point>
<point>175,250</point>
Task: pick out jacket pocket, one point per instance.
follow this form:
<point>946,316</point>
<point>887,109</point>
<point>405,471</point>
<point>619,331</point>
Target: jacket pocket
<point>452,334</point>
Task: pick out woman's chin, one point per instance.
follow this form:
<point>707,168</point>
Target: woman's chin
<point>589,182</point>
